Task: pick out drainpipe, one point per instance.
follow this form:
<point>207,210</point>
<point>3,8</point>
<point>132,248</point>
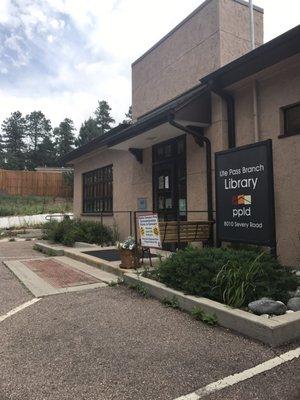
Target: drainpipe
<point>229,99</point>
<point>255,111</point>
<point>200,138</point>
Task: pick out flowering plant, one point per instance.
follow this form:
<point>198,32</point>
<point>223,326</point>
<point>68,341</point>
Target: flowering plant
<point>128,244</point>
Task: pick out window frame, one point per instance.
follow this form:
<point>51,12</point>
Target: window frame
<point>284,130</point>
<point>102,185</point>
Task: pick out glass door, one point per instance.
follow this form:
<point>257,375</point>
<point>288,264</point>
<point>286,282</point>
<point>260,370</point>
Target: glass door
<point>169,179</point>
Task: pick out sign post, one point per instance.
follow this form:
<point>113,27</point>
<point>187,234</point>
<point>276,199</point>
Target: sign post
<point>149,231</point>
<point>245,195</point>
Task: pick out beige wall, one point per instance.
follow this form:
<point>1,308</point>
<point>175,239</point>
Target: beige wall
<point>277,87</point>
<point>216,33</point>
<point>131,180</point>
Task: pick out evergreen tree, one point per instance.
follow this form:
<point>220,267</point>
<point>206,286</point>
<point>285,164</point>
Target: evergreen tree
<point>89,130</point>
<point>103,117</point>
<point>64,138</point>
<point>2,153</point>
<point>38,127</point>
<point>46,153</point>
<point>14,134</point>
<point>128,120</point>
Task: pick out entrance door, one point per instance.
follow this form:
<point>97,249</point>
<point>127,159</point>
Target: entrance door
<point>169,179</point>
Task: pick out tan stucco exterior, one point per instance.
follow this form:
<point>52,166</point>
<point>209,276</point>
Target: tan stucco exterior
<point>213,35</point>
<point>160,75</point>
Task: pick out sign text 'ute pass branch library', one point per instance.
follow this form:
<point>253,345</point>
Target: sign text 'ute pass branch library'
<point>245,194</point>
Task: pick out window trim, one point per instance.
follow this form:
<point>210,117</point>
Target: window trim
<point>283,110</point>
<point>86,198</point>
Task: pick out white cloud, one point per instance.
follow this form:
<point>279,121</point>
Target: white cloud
<point>61,56</point>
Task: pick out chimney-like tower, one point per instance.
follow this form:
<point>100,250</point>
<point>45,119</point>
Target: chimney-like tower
<point>217,32</point>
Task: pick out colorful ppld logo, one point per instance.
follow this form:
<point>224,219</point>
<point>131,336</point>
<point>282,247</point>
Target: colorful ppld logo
<point>241,200</point>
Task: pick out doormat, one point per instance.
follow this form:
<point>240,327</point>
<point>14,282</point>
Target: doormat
<point>110,254</point>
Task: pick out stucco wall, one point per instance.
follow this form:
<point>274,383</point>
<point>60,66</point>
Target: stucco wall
<point>216,33</point>
<point>277,87</point>
<point>131,180</point>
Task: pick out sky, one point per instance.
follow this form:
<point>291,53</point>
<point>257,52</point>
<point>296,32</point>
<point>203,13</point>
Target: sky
<point>62,56</point>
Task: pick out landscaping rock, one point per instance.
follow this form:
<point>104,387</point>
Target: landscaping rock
<point>294,304</point>
<point>267,306</point>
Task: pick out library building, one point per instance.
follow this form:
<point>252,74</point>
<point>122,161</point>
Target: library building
<point>214,145</point>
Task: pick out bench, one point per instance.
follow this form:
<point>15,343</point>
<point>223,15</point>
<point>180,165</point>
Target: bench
<point>182,232</point>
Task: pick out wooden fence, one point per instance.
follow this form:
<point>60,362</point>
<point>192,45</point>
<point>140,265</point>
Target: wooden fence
<point>35,183</point>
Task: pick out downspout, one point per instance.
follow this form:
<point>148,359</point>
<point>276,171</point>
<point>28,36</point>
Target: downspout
<point>229,99</point>
<point>255,111</point>
<point>202,139</point>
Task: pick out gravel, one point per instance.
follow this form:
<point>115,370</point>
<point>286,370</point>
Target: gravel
<point>110,343</point>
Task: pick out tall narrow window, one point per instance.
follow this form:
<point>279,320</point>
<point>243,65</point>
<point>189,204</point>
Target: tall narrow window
<point>98,190</point>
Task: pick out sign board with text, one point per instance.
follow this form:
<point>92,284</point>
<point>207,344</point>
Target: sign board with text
<point>245,194</point>
<point>149,230</point>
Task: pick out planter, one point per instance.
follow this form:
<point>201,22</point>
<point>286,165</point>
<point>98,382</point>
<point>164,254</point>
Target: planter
<point>129,259</point>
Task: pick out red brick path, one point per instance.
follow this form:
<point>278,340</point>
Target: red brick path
<point>58,274</point>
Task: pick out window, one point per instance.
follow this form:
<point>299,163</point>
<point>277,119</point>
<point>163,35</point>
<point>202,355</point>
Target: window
<point>98,190</point>
<point>291,120</point>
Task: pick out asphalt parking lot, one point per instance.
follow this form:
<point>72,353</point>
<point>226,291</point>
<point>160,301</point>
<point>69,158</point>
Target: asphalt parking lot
<point>109,343</point>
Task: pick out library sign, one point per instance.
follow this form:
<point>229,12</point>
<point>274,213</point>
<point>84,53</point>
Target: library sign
<point>245,194</point>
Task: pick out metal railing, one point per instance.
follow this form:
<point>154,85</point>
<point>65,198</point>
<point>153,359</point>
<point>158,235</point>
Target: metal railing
<point>163,215</point>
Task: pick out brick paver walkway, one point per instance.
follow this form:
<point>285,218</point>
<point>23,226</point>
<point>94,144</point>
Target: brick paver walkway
<point>58,274</point>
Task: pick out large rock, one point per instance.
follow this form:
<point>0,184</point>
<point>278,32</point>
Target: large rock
<point>294,304</point>
<point>267,306</point>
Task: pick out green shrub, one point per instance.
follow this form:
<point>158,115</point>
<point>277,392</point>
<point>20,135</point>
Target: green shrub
<point>70,231</point>
<point>194,271</point>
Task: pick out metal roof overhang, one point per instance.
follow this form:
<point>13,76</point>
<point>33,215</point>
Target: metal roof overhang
<point>155,128</point>
<point>191,108</point>
<point>264,56</point>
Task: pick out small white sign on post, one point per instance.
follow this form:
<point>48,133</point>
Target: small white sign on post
<point>149,231</point>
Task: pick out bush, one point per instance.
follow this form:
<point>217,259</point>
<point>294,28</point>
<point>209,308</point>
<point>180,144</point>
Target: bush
<point>195,271</point>
<point>69,231</point>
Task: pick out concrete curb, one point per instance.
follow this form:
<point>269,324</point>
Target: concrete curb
<point>47,248</point>
<point>275,331</point>
<point>78,255</point>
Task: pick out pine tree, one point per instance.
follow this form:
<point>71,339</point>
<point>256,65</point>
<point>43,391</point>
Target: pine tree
<point>103,117</point>
<point>2,153</point>
<point>46,153</point>
<point>88,131</point>
<point>38,128</point>
<point>64,138</point>
<point>14,133</point>
<point>128,120</point>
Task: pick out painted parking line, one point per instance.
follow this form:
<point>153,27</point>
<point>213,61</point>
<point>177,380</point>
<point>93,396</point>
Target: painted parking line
<point>242,376</point>
<point>19,308</point>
